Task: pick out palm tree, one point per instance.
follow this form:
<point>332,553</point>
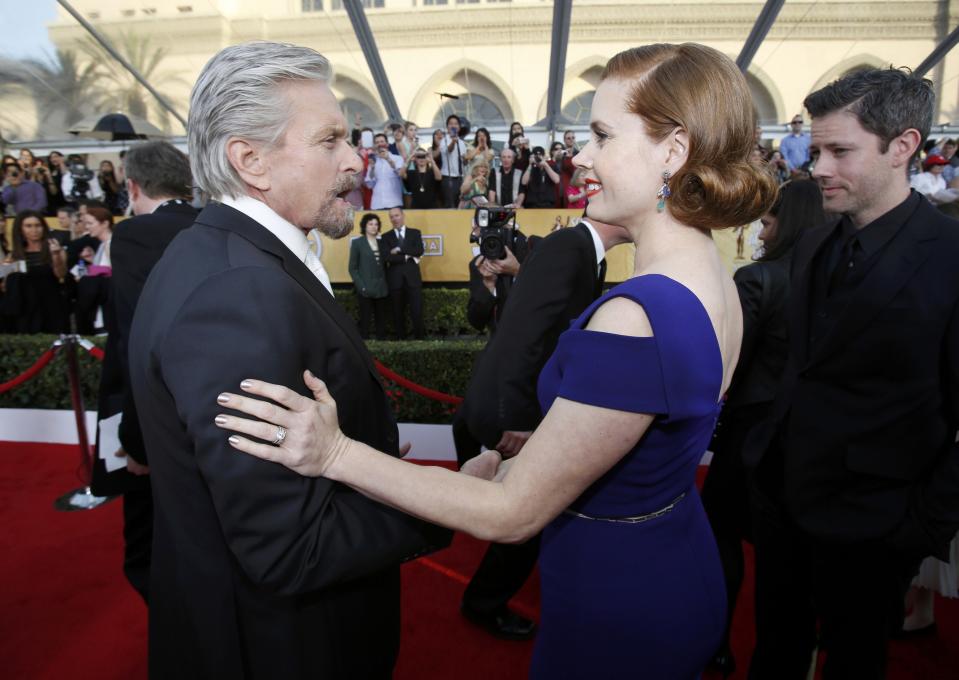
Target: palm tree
<point>62,86</point>
<point>125,93</point>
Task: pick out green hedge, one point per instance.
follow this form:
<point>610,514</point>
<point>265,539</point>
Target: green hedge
<point>442,365</point>
<point>444,310</point>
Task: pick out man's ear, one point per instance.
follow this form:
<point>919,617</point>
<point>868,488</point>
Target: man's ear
<point>133,189</point>
<point>677,149</point>
<point>903,148</point>
<point>249,163</point>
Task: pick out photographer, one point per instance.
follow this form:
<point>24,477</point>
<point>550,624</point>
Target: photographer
<point>540,181</point>
<point>40,174</point>
<point>424,182</point>
<point>492,275</point>
<point>385,175</point>
<point>78,182</point>
<point>452,161</point>
<point>519,143</point>
<point>22,193</point>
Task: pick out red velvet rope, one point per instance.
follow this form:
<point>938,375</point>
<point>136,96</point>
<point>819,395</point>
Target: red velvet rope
<point>38,366</point>
<point>96,353</point>
<point>413,387</point>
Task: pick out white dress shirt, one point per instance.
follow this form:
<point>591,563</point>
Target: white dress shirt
<point>453,164</point>
<point>385,181</point>
<point>290,236</point>
<point>597,242</point>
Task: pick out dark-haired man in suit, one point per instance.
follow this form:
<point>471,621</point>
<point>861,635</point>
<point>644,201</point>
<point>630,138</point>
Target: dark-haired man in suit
<point>405,247</point>
<point>857,470</point>
<point>160,185</point>
<point>259,573</point>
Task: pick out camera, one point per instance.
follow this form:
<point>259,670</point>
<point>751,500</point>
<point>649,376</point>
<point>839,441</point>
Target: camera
<point>82,175</point>
<point>495,232</point>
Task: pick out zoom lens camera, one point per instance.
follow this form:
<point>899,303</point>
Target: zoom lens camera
<point>495,232</point>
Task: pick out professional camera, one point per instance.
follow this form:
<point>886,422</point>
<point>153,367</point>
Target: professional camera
<point>495,232</point>
<point>82,176</point>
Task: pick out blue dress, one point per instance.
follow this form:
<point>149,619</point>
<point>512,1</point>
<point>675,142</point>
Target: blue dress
<point>640,599</point>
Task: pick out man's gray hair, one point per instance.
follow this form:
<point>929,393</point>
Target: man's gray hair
<point>238,95</point>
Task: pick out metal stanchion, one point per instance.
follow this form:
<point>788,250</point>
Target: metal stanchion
<point>82,498</point>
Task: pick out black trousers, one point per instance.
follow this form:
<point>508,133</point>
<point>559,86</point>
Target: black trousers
<point>378,309</point>
<point>138,538</point>
<point>412,297</point>
<point>505,567</point>
<point>725,498</point>
<point>451,191</point>
<point>855,591</point>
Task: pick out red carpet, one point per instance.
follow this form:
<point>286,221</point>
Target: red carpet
<point>67,612</point>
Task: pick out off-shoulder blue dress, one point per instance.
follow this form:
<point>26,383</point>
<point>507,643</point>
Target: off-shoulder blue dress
<point>631,581</point>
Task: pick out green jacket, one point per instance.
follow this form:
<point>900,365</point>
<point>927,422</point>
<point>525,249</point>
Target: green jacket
<point>369,277</point>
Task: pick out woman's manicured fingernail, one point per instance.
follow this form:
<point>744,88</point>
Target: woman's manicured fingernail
<point>234,440</point>
<point>223,399</point>
<point>220,420</point>
<point>246,384</point>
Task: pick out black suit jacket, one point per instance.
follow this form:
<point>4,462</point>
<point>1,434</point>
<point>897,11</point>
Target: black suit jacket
<point>866,420</point>
<point>557,282</point>
<point>137,245</point>
<point>401,272</point>
<point>257,571</point>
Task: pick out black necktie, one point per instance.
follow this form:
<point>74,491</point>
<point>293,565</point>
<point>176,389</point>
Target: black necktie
<point>846,262</point>
<point>399,237</point>
<point>601,279</point>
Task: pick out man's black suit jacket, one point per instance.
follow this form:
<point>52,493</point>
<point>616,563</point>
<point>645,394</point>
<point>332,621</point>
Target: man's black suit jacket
<point>400,272</point>
<point>257,571</point>
<point>865,423</point>
<point>558,281</point>
<point>137,245</point>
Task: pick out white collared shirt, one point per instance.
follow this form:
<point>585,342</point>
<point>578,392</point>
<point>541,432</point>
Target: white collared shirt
<point>290,236</point>
<point>597,243</point>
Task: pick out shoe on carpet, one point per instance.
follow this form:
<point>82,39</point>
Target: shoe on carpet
<point>504,623</point>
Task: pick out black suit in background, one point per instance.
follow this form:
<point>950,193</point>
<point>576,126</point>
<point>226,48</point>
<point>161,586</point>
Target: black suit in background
<point>557,282</point>
<point>257,571</point>
<point>763,289</point>
<point>857,469</point>
<point>403,278</point>
<point>137,245</point>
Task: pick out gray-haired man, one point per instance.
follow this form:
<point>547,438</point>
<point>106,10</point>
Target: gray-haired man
<point>258,572</point>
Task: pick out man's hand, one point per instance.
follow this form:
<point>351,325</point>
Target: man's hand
<point>509,265</point>
<point>486,271</point>
<point>133,467</point>
<point>395,250</point>
<point>512,442</point>
<point>483,466</point>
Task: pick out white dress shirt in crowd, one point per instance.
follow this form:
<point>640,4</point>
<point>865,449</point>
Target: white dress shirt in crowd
<point>385,181</point>
<point>927,183</point>
<point>452,161</point>
<point>290,236</point>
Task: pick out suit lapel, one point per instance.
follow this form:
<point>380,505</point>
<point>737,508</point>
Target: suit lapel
<point>897,264</point>
<point>224,217</point>
<point>802,291</point>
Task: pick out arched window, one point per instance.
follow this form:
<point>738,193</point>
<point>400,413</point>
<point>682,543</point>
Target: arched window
<point>481,111</point>
<point>577,109</point>
<point>762,101</point>
<point>368,117</point>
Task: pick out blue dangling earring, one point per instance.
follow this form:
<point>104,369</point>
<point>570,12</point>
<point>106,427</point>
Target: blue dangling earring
<point>663,192</point>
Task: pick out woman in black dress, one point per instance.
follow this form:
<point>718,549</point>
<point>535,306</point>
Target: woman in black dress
<point>763,289</point>
<point>34,297</point>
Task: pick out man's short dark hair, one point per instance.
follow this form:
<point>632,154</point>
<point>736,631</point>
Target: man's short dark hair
<point>380,134</point>
<point>161,170</point>
<point>887,102</point>
<point>451,117</point>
